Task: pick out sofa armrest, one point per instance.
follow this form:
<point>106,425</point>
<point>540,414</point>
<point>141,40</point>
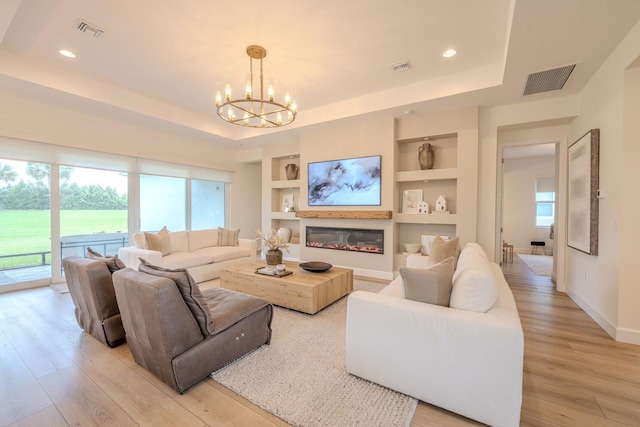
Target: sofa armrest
<point>131,255</point>
<point>252,244</point>
<point>467,362</point>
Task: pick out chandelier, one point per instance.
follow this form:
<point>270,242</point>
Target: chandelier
<point>256,112</point>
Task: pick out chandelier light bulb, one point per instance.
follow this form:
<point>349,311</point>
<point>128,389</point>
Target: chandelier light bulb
<point>287,100</point>
<point>245,119</point>
<point>218,99</point>
<point>294,106</point>
<point>279,119</point>
<point>270,93</point>
<point>227,93</point>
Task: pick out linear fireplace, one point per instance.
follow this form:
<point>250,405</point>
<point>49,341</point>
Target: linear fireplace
<point>346,239</point>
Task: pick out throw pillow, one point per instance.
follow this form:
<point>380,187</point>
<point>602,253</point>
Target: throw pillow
<point>113,262</point>
<point>228,237</point>
<point>160,241</point>
<point>442,249</point>
<point>432,285</point>
<point>474,283</point>
<point>188,289</point>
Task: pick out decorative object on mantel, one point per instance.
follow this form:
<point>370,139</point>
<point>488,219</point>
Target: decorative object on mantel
<point>441,205</point>
<point>410,200</point>
<point>423,207</point>
<point>258,112</point>
<point>345,214</point>
<point>275,244</point>
<point>292,171</point>
<point>295,238</point>
<point>426,155</point>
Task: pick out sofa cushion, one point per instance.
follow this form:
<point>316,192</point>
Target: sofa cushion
<point>227,307</point>
<point>139,240</point>
<point>113,262</point>
<point>199,239</point>
<point>432,285</point>
<point>474,284</point>
<point>159,241</point>
<point>188,289</point>
<point>442,249</point>
<point>179,241</point>
<point>224,253</point>
<point>186,259</point>
<point>228,237</point>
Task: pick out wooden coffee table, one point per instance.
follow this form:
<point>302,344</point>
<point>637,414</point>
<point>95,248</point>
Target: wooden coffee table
<point>302,291</point>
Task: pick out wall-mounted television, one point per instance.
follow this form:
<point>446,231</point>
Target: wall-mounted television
<point>346,182</point>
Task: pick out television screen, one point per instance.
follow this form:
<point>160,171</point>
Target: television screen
<point>347,182</point>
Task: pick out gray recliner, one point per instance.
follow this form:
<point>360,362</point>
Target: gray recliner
<point>181,334</point>
<point>91,289</point>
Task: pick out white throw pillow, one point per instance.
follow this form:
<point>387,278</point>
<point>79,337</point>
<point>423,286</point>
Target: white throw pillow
<point>474,285</point>
<point>159,241</point>
<point>202,239</point>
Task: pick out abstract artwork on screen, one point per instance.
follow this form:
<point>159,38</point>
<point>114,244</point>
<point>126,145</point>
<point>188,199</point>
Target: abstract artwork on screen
<point>347,182</point>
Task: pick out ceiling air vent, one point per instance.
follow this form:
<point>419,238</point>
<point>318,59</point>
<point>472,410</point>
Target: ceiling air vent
<point>549,80</point>
<point>87,27</point>
<point>401,66</point>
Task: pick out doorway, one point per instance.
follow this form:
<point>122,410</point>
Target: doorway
<point>529,208</point>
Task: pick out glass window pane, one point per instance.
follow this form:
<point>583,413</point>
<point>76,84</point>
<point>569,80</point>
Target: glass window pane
<point>25,234</point>
<point>207,204</point>
<point>93,211</point>
<point>545,197</point>
<point>162,203</point>
<point>544,214</point>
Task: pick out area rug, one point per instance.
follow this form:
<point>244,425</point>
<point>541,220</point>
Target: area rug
<point>301,376</point>
<point>541,265</point>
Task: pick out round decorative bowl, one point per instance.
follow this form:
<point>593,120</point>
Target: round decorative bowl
<point>413,248</point>
<point>315,266</point>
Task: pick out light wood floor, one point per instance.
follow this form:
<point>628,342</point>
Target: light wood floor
<point>53,374</point>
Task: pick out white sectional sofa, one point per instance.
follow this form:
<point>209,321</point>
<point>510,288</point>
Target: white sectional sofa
<point>200,252</point>
<point>468,362</point>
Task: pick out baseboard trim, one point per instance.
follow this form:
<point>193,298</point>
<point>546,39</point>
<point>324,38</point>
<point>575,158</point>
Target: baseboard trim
<point>608,327</point>
<point>628,336</point>
<point>373,274</point>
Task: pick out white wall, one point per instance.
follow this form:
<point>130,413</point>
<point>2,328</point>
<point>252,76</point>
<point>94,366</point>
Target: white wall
<point>606,285</point>
<point>245,199</point>
<point>519,208</point>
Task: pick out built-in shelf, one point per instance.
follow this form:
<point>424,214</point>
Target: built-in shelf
<point>427,175</point>
<point>346,214</point>
<point>284,215</point>
<point>287,183</point>
<point>432,218</point>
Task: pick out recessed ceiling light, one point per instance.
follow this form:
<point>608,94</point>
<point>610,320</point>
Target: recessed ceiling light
<point>67,53</point>
<point>449,53</point>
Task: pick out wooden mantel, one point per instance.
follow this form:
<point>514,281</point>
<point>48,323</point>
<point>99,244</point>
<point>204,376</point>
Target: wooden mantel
<point>345,214</point>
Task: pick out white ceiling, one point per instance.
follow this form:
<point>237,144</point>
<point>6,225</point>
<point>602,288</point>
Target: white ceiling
<point>161,61</point>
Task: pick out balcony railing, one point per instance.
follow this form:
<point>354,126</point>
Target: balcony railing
<point>107,244</point>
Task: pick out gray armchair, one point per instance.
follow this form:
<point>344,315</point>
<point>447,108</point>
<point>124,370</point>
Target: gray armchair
<point>91,290</point>
<point>181,334</point>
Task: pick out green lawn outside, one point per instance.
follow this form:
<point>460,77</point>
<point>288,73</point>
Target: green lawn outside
<point>30,231</point>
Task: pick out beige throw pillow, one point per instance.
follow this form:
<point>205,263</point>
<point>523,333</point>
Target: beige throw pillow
<point>228,237</point>
<point>432,286</point>
<point>188,289</point>
<point>442,249</point>
<point>113,262</point>
<point>160,241</point>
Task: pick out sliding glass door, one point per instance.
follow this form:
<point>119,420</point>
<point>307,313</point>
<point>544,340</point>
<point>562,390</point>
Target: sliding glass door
<point>25,218</point>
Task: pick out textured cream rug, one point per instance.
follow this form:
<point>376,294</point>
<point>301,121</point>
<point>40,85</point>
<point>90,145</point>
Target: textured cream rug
<point>301,377</point>
<point>541,265</point>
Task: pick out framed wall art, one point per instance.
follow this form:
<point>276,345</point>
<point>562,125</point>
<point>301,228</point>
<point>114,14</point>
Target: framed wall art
<point>410,200</point>
<point>583,181</point>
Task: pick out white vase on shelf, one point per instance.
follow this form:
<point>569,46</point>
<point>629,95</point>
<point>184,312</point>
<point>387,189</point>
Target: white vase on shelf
<point>284,234</point>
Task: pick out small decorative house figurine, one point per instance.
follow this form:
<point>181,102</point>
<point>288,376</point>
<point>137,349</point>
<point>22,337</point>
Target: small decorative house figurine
<point>441,204</point>
<point>423,207</point>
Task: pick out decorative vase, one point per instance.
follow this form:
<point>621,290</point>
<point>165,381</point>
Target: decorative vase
<point>274,257</point>
<point>425,156</point>
<point>292,171</point>
<point>284,234</point>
